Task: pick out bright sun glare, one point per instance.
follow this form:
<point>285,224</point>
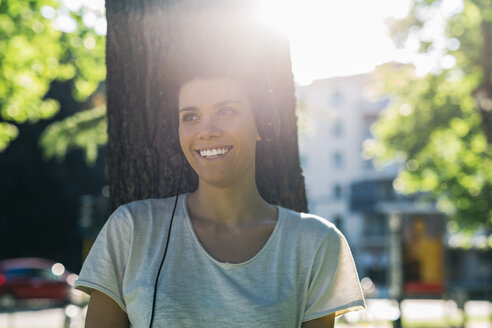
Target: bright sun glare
<point>327,38</point>
<point>333,38</point>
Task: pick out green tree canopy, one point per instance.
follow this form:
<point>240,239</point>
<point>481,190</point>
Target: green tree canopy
<point>42,41</point>
<point>440,124</point>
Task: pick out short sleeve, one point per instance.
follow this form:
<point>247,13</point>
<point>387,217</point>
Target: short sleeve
<point>104,267</point>
<point>334,285</point>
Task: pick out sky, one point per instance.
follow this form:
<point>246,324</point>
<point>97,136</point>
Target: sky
<point>328,38</point>
<point>332,38</point>
<point>335,38</point>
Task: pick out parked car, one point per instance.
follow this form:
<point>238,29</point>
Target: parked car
<point>23,280</point>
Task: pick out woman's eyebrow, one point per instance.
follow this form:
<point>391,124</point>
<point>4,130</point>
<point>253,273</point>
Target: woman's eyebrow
<point>227,102</point>
<point>216,105</point>
<point>188,109</point>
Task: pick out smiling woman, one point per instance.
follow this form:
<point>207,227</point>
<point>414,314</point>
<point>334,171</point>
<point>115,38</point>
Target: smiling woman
<point>220,255</point>
<point>233,258</point>
<point>217,131</point>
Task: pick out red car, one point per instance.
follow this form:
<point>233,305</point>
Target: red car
<point>26,279</point>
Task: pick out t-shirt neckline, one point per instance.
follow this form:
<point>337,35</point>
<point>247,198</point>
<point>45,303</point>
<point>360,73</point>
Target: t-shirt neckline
<point>227,265</point>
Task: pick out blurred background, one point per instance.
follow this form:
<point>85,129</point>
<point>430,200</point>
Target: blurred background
<point>394,102</point>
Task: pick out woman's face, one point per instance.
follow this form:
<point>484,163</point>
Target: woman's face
<point>217,130</point>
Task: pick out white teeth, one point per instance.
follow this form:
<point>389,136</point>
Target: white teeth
<point>213,152</point>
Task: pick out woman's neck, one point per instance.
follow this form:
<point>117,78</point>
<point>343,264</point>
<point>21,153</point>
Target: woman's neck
<point>231,206</point>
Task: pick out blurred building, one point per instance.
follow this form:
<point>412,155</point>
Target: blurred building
<point>398,241</point>
<point>335,118</point>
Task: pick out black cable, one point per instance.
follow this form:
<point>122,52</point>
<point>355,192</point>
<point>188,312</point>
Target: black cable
<point>162,260</point>
<point>167,244</point>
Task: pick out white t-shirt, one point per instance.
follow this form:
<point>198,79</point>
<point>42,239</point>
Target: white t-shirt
<point>303,272</point>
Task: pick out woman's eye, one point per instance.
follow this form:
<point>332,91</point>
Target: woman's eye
<point>188,117</point>
<point>227,111</point>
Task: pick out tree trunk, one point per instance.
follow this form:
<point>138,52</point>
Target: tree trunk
<point>144,157</point>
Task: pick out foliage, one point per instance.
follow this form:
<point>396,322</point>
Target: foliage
<point>42,41</point>
<point>434,122</point>
<point>85,130</point>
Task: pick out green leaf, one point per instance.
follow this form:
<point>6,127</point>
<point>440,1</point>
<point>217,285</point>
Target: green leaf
<point>33,54</point>
<point>434,120</point>
<point>86,130</point>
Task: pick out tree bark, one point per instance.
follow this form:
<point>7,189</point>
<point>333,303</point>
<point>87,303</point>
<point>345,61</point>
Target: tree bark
<point>144,157</point>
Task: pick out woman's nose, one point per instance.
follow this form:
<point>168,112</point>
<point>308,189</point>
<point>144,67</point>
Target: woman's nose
<point>208,129</point>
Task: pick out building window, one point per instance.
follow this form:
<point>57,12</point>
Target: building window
<point>337,160</point>
<point>338,128</point>
<point>336,99</point>
<point>378,275</point>
<point>338,222</point>
<point>375,225</point>
<point>304,161</point>
<point>367,164</point>
<point>337,191</point>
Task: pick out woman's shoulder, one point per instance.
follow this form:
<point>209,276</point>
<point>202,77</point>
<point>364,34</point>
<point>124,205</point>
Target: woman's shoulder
<point>144,209</point>
<point>143,204</point>
<point>310,225</point>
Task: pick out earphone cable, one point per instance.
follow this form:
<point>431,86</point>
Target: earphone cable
<point>165,249</point>
<point>162,262</point>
